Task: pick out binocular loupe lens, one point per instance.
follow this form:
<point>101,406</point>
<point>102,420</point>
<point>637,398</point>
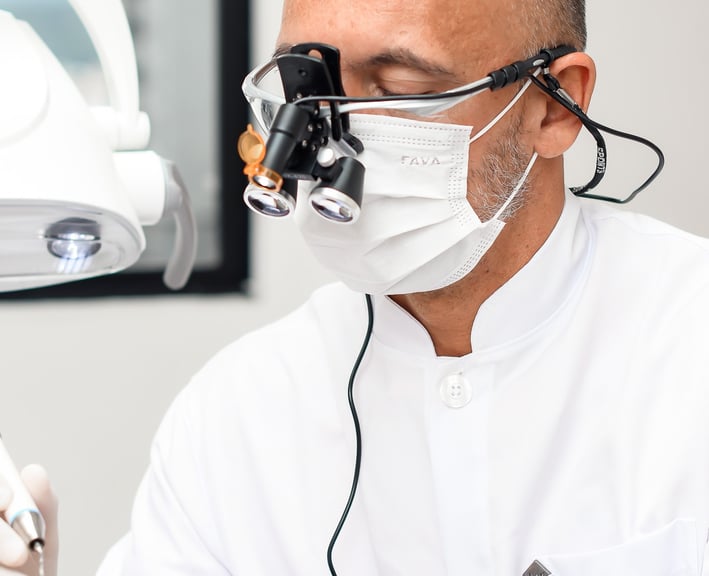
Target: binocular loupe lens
<point>333,205</point>
<point>276,203</point>
<point>339,200</point>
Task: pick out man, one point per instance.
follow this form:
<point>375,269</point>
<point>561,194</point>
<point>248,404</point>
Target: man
<point>540,412</point>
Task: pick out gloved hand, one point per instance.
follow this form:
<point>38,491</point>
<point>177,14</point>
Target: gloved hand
<point>15,557</point>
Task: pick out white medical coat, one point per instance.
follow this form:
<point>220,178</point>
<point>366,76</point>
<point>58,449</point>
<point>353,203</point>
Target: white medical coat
<point>576,433</point>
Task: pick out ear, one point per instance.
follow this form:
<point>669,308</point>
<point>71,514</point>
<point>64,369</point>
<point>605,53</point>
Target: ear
<point>555,128</point>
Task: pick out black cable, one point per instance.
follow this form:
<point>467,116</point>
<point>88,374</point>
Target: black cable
<point>553,89</point>
<point>635,138</point>
<point>358,433</point>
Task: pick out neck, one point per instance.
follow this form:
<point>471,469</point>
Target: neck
<point>448,314</point>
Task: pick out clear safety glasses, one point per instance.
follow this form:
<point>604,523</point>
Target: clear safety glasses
<point>264,90</point>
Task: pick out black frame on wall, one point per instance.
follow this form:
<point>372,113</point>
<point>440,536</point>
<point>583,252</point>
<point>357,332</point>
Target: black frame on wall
<point>233,270</point>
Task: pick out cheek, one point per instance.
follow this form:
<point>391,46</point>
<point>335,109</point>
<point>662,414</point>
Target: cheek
<point>355,84</point>
<point>480,110</point>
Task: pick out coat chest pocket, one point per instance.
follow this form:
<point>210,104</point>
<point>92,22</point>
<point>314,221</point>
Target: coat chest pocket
<point>675,550</point>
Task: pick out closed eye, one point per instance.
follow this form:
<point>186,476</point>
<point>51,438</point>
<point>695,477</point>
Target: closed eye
<point>394,82</point>
<point>381,91</point>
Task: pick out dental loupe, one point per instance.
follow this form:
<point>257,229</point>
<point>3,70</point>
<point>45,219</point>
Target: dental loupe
<point>302,128</point>
<point>305,141</point>
<point>77,184</point>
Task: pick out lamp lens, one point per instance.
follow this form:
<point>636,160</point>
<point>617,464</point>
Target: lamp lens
<point>73,239</point>
<point>265,182</point>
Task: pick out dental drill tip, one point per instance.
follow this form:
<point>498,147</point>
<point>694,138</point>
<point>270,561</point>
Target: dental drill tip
<point>38,547</point>
<point>29,524</point>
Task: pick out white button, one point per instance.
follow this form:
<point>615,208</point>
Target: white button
<point>456,391</point>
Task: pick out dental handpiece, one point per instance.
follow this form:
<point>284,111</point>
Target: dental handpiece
<point>22,514</point>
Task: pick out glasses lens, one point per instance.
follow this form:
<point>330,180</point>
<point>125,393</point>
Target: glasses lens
<point>264,91</point>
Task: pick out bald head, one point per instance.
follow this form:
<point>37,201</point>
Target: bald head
<point>523,25</point>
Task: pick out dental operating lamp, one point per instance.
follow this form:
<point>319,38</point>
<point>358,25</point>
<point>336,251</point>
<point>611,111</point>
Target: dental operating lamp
<point>77,183</point>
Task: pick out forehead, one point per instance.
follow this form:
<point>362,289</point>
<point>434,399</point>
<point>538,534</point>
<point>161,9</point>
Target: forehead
<point>459,35</point>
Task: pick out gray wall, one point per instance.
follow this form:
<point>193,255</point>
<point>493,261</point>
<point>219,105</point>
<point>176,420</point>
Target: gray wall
<point>85,383</point>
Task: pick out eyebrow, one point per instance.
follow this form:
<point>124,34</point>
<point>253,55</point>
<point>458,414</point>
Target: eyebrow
<point>407,59</point>
<point>396,57</point>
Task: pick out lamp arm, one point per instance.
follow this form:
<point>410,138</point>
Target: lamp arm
<point>107,25</point>
<point>184,251</point>
<point>157,192</point>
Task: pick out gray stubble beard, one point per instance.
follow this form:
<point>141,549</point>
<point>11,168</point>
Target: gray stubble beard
<point>502,168</point>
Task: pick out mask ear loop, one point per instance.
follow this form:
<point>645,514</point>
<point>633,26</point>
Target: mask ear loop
<point>506,109</point>
<point>518,187</point>
<point>554,90</point>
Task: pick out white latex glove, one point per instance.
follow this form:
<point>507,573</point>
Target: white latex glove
<point>15,557</point>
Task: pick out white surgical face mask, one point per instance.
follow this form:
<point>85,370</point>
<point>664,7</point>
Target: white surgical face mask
<point>417,231</point>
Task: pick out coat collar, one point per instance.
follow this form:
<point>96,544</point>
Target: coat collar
<point>521,306</point>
